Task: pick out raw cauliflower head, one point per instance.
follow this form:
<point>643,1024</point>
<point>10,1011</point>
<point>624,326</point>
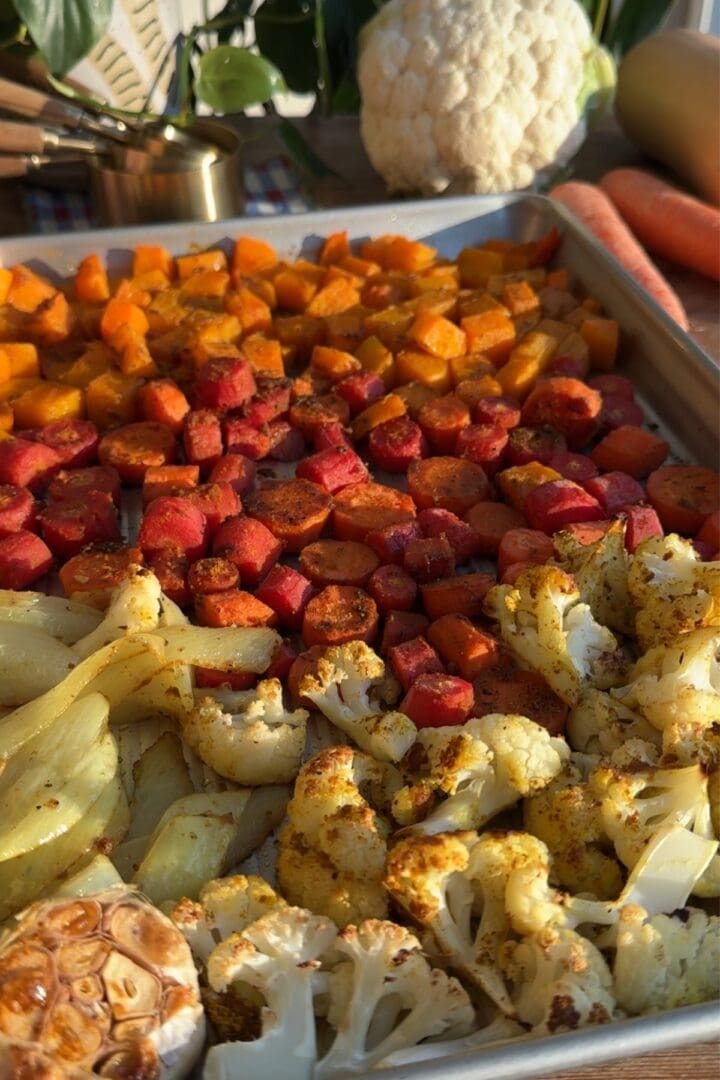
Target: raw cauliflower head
<point>475,92</point>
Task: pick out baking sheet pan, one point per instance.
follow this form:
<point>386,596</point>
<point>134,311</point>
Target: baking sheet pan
<point>678,384</point>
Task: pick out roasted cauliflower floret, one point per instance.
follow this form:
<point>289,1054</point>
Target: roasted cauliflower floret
<point>601,724</point>
<point>135,608</point>
<point>567,817</point>
<point>482,766</point>
<point>351,689</point>
<point>443,881</point>
<point>559,981</point>
<point>666,961</point>
<point>544,622</point>
<point>279,957</point>
<point>672,683</point>
<point>601,573</point>
<point>661,880</point>
<point>381,977</point>
<point>225,906</point>
<point>332,850</point>
<point>673,589</point>
<point>263,743</point>
<point>688,741</point>
<point>635,803</point>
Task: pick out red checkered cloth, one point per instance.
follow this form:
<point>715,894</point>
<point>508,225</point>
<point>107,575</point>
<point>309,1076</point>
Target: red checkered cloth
<point>273,188</point>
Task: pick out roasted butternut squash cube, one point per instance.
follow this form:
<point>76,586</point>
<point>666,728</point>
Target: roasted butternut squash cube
<point>48,402</point>
<point>111,399</point>
<point>214,259</point>
<point>22,357</point>
<point>377,358</point>
<point>491,333</point>
<point>411,365</point>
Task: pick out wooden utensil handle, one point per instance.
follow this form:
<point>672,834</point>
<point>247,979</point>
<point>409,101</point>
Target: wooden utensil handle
<point>14,166</point>
<point>20,138</point>
<point>26,101</point>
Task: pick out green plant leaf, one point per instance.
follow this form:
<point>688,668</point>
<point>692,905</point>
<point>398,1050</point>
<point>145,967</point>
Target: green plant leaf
<point>346,95</point>
<point>635,20</point>
<point>64,30</point>
<point>343,21</point>
<point>229,79</point>
<point>284,31</point>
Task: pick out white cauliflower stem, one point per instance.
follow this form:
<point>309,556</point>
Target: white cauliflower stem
<point>262,743</point>
<point>350,689</point>
<point>483,94</point>
<point>544,622</point>
<point>278,956</point>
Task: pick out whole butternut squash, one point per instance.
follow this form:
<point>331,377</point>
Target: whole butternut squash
<point>668,102</point>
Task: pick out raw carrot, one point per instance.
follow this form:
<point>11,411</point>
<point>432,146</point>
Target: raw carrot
<point>593,209</point>
<point>667,221</point>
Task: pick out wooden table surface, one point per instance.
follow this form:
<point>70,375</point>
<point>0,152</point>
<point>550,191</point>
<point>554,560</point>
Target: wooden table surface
<point>337,142</point>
